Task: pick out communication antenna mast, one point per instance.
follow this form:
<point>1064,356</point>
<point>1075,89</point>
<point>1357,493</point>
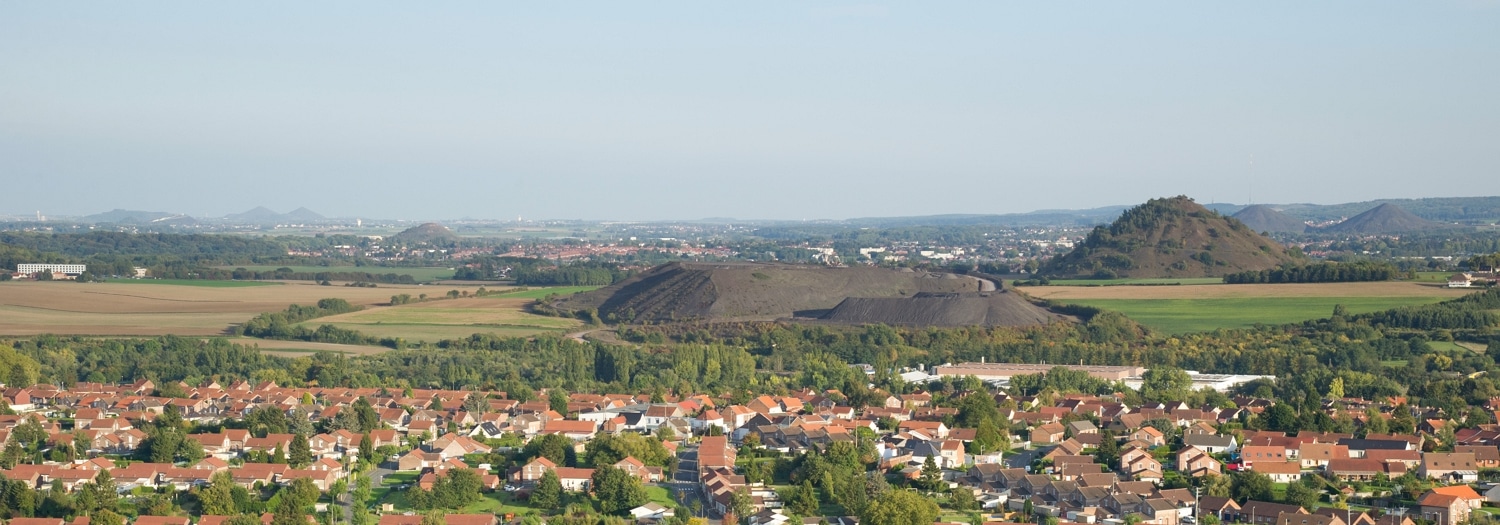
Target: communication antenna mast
<point>1250,174</point>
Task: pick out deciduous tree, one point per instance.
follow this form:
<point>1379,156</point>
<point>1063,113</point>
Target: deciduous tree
<point>617,490</point>
<point>900,507</point>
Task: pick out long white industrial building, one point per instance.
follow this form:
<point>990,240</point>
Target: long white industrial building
<point>66,269</point>
<point>1132,376</point>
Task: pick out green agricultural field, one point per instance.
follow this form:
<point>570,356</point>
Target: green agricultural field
<point>538,293</point>
<point>1450,346</point>
<point>1178,316</point>
<point>1433,277</point>
<point>194,282</point>
<point>1128,282</point>
<point>421,275</point>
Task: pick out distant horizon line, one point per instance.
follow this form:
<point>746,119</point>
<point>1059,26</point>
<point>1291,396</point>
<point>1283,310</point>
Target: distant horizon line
<point>33,216</point>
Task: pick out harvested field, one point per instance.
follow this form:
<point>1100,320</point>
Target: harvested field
<point>467,311</point>
<point>68,308</point>
<point>1138,282</point>
<point>449,319</point>
<point>194,282</point>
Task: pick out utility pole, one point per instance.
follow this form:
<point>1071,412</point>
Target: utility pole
<point>1197,512</point>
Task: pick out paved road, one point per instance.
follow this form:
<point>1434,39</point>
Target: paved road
<point>1022,459</point>
<point>684,483</point>
<point>377,477</point>
<point>687,466</point>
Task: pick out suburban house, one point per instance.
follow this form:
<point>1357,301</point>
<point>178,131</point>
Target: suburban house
<point>1048,433</point>
<point>636,468</point>
<point>1284,472</point>
<point>1196,462</point>
<point>1449,505</point>
<point>1250,454</point>
<point>1213,444</point>
<point>1261,512</point>
<point>1454,466</point>
<point>577,430</point>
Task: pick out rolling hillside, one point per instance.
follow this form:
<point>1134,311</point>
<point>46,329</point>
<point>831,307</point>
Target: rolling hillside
<point>428,233</point>
<point>1173,237</point>
<point>1262,218</point>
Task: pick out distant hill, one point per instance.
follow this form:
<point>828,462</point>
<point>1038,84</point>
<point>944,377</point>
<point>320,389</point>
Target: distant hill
<point>258,215</point>
<point>1385,218</point>
<point>429,233</point>
<point>264,215</point>
<point>732,291</point>
<point>129,216</point>
<point>1173,237</point>
<point>1262,218</point>
<point>1040,217</point>
<point>303,215</point>
<point>1442,209</point>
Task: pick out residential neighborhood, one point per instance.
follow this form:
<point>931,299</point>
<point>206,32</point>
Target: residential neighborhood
<point>1073,458</point>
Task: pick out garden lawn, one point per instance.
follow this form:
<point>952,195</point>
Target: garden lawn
<point>661,495</point>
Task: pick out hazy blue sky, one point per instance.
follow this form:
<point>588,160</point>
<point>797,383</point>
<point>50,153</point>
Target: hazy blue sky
<point>651,110</point>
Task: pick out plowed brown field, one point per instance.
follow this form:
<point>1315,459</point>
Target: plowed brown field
<point>68,308</point>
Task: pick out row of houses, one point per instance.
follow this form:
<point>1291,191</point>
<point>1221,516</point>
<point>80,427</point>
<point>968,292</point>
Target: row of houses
<point>324,473</point>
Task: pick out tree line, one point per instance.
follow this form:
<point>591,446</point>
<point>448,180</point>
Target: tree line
<point>1322,272</point>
